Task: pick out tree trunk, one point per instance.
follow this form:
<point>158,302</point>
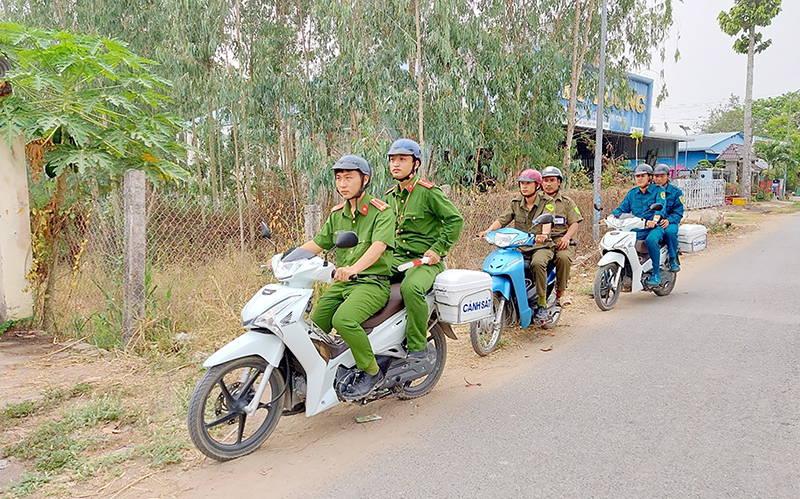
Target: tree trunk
<point>744,183</point>
<point>212,162</point>
<point>419,76</point>
<point>578,57</point>
<point>238,177</point>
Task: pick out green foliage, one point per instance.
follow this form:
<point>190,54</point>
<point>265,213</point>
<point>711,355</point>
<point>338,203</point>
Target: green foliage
<point>18,410</point>
<point>743,19</point>
<point>91,101</point>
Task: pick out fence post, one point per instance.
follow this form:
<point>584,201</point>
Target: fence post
<point>135,251</point>
<point>313,220</point>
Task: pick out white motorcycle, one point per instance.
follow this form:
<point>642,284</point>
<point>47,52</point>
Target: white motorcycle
<point>285,364</point>
<point>625,264</point>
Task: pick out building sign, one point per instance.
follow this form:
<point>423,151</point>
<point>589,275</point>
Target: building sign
<point>627,114</point>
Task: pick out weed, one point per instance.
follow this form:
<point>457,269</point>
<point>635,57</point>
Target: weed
<point>28,484</point>
<point>103,410</point>
<point>164,448</point>
<point>19,410</point>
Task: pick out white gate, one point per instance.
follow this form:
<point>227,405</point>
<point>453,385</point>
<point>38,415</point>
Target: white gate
<point>701,193</point>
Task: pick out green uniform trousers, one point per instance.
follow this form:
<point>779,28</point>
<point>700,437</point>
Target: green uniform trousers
<point>415,284</point>
<point>563,266</point>
<point>539,261</point>
<point>345,306</point>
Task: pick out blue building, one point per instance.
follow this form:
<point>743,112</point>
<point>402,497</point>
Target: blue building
<point>706,146</point>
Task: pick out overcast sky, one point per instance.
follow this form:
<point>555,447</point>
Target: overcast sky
<point>709,71</point>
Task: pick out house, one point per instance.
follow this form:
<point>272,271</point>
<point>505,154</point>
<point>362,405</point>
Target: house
<point>709,146</point>
<point>706,146</point>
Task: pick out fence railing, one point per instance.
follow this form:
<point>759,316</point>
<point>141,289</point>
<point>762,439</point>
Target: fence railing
<point>700,193</point>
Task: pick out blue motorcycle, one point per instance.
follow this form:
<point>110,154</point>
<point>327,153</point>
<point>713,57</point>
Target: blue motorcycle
<point>514,289</point>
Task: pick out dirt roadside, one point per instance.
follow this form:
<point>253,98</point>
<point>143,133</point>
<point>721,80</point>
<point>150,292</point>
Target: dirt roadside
<point>330,442</point>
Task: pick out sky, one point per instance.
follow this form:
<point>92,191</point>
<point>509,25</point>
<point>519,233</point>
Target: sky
<point>709,71</point>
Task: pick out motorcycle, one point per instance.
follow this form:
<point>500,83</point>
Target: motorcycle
<point>285,364</point>
<point>625,264</point>
<point>513,288</point>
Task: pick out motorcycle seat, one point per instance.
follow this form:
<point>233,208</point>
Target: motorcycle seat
<point>394,305</point>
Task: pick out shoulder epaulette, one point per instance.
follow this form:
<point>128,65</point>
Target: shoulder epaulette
<point>377,203</point>
<point>425,183</point>
<point>338,206</point>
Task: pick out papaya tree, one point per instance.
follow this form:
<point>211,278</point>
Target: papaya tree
<point>88,108</point>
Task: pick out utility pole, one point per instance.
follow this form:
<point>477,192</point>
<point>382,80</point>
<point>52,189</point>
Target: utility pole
<point>601,108</point>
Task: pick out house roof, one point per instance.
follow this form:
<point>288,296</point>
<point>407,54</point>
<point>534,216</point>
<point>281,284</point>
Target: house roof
<point>707,141</point>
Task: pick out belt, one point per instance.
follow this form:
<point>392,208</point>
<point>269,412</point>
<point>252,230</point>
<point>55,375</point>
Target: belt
<point>372,276</point>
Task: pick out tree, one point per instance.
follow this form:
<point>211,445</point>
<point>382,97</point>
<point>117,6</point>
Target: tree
<point>88,109</point>
<point>741,21</point>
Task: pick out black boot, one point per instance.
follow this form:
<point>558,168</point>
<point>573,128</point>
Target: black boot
<point>362,384</point>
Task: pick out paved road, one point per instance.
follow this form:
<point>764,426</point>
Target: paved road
<point>692,395</point>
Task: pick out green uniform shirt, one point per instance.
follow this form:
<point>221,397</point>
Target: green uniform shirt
<point>426,219</point>
<point>565,213</point>
<point>373,221</point>
<point>523,219</point>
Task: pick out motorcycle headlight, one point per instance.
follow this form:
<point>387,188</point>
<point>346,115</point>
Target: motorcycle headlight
<point>503,240</point>
<point>267,318</point>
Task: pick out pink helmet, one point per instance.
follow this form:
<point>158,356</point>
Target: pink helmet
<point>530,175</point>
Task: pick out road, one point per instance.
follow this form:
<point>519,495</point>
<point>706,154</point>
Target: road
<point>692,395</point>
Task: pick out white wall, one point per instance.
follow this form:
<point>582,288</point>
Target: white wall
<point>15,233</point>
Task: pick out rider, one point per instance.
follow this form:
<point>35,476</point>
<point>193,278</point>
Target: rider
<point>427,226</point>
<point>566,217</point>
<point>523,211</point>
<point>673,213</point>
<point>352,300</point>
<point>638,202</point>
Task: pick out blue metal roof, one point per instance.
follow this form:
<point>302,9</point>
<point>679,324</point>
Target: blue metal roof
<point>712,143</point>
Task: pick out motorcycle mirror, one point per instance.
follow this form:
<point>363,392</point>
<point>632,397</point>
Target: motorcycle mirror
<point>545,218</point>
<point>265,230</point>
<point>656,207</point>
<point>346,239</point>
<point>598,207</point>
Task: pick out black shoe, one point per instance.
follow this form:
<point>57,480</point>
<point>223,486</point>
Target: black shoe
<point>541,314</point>
<point>362,384</point>
<point>420,356</point>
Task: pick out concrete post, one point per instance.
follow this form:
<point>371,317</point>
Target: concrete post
<point>313,220</point>
<point>16,301</point>
<point>135,251</point>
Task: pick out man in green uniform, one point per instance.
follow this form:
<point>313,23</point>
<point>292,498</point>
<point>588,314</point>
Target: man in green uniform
<point>361,282</point>
<point>523,211</point>
<point>566,217</point>
<point>427,226</point>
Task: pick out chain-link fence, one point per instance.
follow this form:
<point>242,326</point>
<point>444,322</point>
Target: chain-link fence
<point>203,259</point>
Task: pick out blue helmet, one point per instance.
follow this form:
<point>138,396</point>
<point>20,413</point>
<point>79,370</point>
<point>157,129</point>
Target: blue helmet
<point>406,146</point>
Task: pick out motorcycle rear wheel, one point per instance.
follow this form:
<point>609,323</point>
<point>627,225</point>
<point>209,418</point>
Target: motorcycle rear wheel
<point>218,424</point>
<point>605,293</point>
<point>666,288</point>
<point>485,333</point>
<point>423,385</point>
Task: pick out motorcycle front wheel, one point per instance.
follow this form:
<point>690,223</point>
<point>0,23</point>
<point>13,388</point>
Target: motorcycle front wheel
<point>485,333</point>
<point>605,291</point>
<point>218,424</point>
<point>421,386</point>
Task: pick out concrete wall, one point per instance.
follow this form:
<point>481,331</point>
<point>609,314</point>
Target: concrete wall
<point>15,233</point>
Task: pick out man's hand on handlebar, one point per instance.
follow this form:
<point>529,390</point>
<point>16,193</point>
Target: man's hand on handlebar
<point>541,238</point>
<point>344,274</point>
<point>650,224</point>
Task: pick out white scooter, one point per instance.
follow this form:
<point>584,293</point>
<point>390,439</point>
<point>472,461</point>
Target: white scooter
<point>284,364</point>
<point>625,264</point>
